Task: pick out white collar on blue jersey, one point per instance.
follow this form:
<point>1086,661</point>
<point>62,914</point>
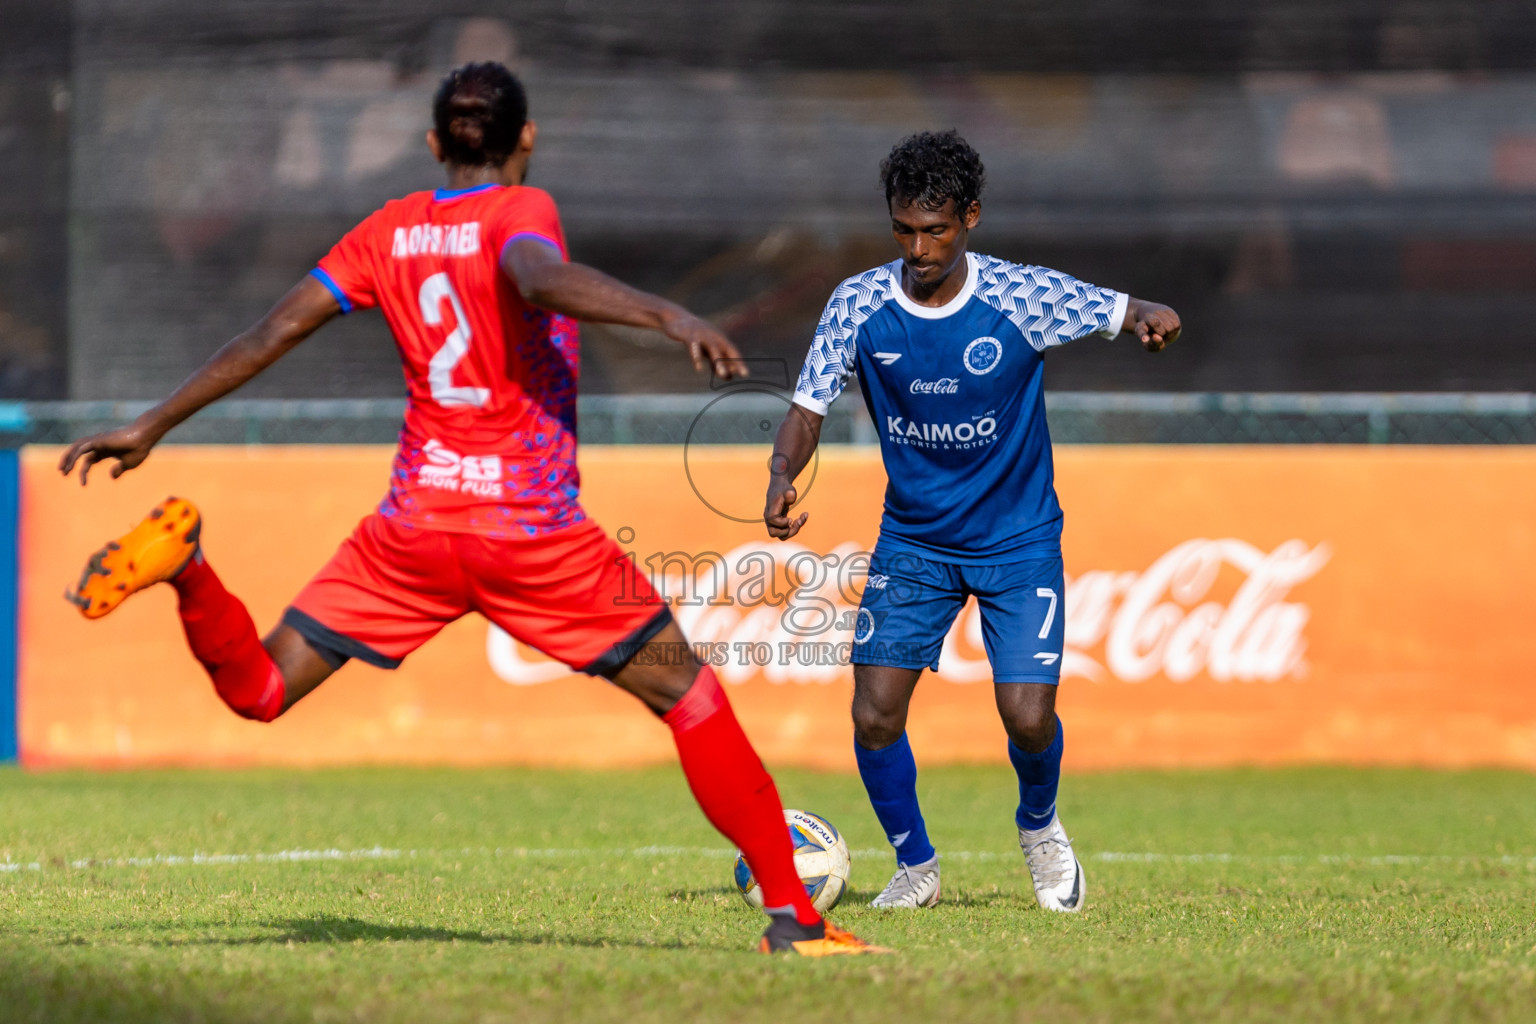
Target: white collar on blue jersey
<point>949,308</point>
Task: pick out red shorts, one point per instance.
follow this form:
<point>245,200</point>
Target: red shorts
<point>389,588</point>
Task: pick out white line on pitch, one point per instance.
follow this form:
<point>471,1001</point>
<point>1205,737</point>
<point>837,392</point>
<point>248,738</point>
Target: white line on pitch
<point>384,853</point>
<point>201,859</point>
<point>1319,858</point>
<point>563,853</point>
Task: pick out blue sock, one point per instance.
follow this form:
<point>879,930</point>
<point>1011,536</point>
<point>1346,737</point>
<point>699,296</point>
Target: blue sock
<point>1038,777</point>
<point>890,778</point>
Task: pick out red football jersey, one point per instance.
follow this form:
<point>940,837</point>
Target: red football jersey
<point>489,442</point>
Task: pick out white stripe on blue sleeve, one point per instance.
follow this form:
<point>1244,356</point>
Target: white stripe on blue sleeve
<point>1048,307</point>
<point>833,355</point>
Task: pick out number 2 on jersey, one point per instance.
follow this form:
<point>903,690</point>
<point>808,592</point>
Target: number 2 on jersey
<point>434,290</point>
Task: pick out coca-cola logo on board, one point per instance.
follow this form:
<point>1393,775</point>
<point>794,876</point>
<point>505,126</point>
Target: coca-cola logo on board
<point>786,614</point>
<point>1133,626</point>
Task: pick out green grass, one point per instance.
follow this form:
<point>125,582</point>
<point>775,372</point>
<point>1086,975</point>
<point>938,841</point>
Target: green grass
<point>529,897</point>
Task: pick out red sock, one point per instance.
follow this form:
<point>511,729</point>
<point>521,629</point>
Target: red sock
<point>223,638</point>
<point>736,792</point>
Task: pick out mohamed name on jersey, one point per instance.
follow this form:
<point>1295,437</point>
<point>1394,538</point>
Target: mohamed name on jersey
<point>436,240</point>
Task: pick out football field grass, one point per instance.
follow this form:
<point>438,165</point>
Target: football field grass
<point>510,895</point>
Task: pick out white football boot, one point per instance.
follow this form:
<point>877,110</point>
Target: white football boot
<point>1058,877</point>
<point>912,886</point>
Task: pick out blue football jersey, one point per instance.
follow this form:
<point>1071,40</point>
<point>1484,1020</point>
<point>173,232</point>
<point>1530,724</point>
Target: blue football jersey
<point>956,396</point>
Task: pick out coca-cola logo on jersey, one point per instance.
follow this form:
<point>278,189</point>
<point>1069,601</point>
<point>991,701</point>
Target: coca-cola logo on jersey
<point>942,386</point>
<point>780,612</point>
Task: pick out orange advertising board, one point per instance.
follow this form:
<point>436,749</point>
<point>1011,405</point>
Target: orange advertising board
<point>1225,605</point>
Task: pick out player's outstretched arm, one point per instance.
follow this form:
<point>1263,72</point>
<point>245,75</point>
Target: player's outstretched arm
<point>796,442</point>
<point>547,281</point>
<point>295,317</point>
<point>1153,324</point>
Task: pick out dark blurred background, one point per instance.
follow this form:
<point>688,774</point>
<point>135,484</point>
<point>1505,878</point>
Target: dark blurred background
<point>1337,196</point>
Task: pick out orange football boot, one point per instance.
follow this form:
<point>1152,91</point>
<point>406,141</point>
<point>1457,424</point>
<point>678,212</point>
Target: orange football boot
<point>786,935</point>
<point>152,552</point>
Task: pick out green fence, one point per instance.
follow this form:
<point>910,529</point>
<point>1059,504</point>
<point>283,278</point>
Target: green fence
<point>751,414</point>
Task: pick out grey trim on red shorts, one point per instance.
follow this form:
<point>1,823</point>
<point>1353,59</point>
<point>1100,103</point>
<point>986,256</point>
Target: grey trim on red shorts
<point>612,661</point>
<point>336,649</point>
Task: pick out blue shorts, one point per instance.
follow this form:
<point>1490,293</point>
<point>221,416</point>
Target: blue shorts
<point>910,602</point>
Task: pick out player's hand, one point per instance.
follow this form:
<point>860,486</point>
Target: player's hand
<point>129,445</point>
<point>781,498</point>
<point>1156,326</point>
<point>707,346</point>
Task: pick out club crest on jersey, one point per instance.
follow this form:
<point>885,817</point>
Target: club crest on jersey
<point>863,627</point>
<point>983,355</point>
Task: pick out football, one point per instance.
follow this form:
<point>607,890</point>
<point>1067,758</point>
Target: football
<point>821,858</point>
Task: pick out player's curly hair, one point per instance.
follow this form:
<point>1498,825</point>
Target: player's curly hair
<point>931,168</point>
<point>479,112</point>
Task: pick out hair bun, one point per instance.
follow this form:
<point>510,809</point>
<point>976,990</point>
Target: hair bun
<point>478,114</point>
<point>468,130</point>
